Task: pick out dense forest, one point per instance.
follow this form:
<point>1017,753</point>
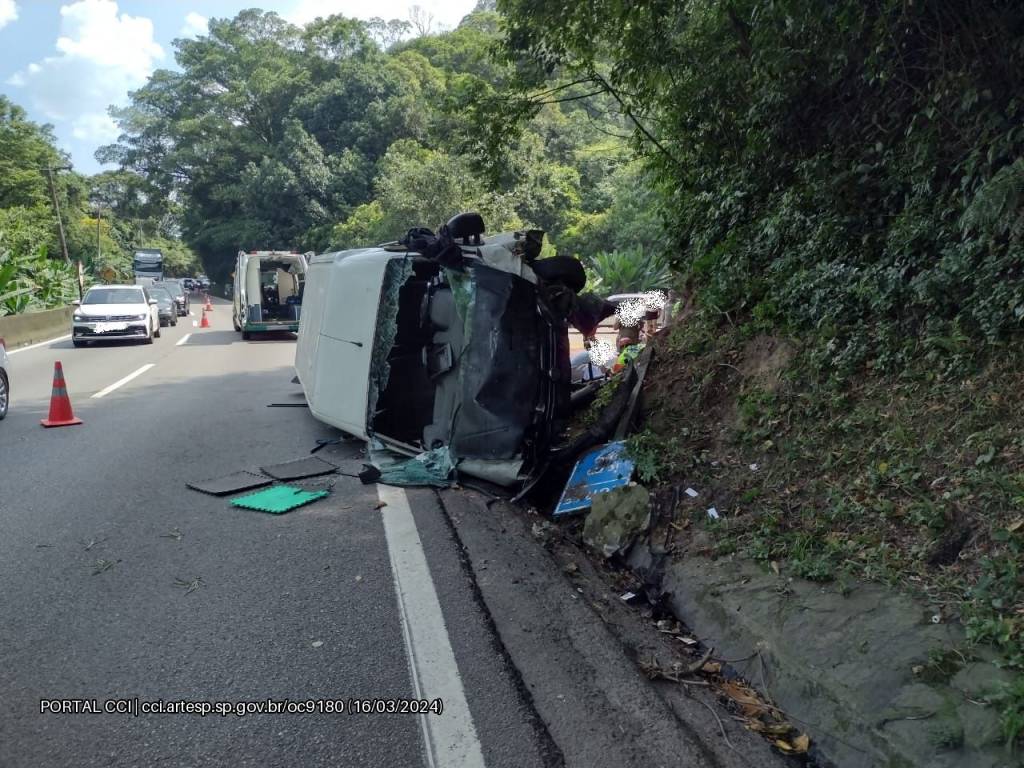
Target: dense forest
<point>344,133</point>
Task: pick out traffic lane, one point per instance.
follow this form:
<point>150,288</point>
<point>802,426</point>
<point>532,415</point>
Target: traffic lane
<point>113,490</point>
<point>86,369</point>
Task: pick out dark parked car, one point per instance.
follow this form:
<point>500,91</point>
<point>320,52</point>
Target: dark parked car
<point>166,305</point>
<point>180,295</point>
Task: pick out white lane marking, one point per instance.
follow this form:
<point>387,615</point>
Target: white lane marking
<point>40,344</point>
<point>191,313</point>
<point>183,339</point>
<point>450,738</point>
<point>125,380</point>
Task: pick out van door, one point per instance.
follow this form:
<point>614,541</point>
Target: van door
<point>239,291</point>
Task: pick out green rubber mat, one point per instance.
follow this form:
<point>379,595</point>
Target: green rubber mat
<point>279,499</point>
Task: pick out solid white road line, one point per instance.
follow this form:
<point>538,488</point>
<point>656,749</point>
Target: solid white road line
<point>40,344</point>
<point>182,340</point>
<point>125,380</point>
<point>450,738</point>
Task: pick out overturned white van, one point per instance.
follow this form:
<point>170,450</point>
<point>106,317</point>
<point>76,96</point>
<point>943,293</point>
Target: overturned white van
<point>267,292</point>
<point>450,344</point>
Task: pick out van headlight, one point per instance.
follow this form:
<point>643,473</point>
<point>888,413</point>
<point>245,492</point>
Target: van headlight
<point>78,318</point>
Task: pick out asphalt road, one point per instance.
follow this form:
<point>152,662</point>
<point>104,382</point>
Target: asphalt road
<point>101,541</point>
<point>119,583</point>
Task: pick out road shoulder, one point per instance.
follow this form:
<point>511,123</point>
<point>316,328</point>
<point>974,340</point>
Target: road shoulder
<point>574,648</point>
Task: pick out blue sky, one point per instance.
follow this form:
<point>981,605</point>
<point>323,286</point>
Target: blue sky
<point>66,62</point>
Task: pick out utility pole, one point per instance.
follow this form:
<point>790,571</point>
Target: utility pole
<point>56,209</point>
<point>60,223</point>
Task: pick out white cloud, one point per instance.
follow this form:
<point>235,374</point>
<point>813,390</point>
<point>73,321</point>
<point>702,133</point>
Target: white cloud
<point>446,13</point>
<point>195,25</point>
<point>100,56</point>
<point>8,12</point>
<point>95,128</point>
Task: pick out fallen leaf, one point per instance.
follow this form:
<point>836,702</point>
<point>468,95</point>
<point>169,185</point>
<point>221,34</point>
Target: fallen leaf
<point>775,567</point>
<point>380,504</point>
<point>768,729</point>
<point>103,565</point>
<point>749,702</point>
<point>801,743</point>
<point>711,667</point>
<point>189,585</point>
<point>1015,525</point>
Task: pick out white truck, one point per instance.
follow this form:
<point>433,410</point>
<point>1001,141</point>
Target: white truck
<point>267,291</point>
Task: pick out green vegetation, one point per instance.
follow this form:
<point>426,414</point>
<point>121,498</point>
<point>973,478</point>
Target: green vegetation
<point>33,272</point>
<point>849,171</point>
<point>338,135</point>
<point>913,479</point>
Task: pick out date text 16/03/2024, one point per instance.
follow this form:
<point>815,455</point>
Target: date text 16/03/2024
<point>136,706</point>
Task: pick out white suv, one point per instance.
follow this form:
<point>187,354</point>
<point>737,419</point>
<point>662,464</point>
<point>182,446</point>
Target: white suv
<point>115,312</point>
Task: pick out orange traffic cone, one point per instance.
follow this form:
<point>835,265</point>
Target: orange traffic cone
<point>60,405</point>
<point>204,323</point>
<point>209,306</point>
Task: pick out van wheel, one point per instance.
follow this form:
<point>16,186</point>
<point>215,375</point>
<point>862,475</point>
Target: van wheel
<point>564,270</point>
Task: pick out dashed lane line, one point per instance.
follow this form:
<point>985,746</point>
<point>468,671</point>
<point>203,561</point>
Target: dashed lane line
<point>121,382</point>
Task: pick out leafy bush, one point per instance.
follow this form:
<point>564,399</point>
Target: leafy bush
<point>34,281</point>
<point>627,271</point>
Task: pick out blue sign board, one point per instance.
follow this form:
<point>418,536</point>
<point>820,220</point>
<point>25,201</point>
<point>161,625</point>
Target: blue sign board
<point>599,471</point>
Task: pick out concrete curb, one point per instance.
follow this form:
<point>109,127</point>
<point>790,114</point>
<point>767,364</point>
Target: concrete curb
<point>32,327</point>
<point>843,664</point>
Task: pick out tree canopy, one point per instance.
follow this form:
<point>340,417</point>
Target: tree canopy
<point>850,169</point>
<point>344,133</point>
